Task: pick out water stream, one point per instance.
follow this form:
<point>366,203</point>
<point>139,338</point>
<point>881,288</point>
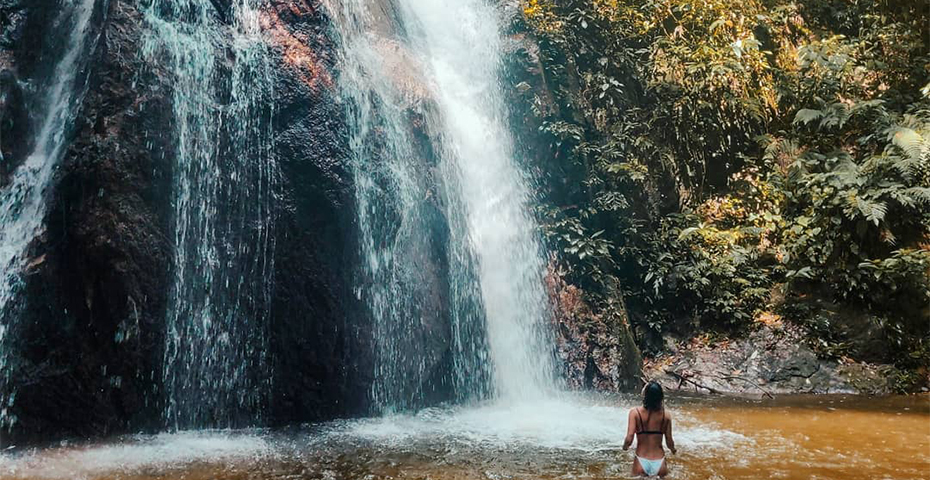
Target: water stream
<point>23,198</point>
<point>392,193</point>
<point>224,177</point>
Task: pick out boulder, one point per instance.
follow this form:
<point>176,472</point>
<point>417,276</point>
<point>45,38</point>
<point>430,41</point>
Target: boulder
<point>768,361</point>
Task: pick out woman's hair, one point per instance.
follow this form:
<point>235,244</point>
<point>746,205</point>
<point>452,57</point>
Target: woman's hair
<point>652,396</point>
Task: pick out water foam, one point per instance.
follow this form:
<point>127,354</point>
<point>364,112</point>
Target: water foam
<point>581,422</point>
<point>589,427</point>
<point>159,452</point>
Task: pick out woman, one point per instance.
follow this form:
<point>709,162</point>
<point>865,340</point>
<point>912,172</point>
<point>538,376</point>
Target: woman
<point>650,423</point>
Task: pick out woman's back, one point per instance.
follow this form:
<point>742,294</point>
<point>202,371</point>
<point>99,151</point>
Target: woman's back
<point>650,429</point>
<point>650,424</point>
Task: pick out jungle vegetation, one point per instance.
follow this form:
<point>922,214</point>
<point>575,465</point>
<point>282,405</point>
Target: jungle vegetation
<point>729,163</point>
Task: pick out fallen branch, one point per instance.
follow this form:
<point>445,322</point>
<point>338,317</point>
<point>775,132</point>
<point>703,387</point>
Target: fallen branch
<point>682,378</point>
<point>765,393</point>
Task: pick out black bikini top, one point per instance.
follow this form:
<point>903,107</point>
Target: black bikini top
<point>643,424</point>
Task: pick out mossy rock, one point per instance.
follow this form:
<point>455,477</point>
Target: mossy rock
<point>868,379</point>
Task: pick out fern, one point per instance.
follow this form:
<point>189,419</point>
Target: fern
<point>918,194</point>
<point>872,210</point>
<point>914,145</point>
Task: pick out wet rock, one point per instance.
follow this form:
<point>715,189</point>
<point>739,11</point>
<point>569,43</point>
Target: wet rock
<point>768,361</point>
<point>14,122</point>
<point>95,296</point>
<point>325,363</point>
<point>294,29</point>
<point>223,9</point>
<point>782,365</point>
<point>321,345</point>
<point>597,348</point>
<point>866,378</point>
<point>25,35</point>
<point>89,338</point>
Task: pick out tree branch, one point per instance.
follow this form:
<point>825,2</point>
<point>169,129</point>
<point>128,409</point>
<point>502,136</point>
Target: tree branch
<point>765,393</point>
<point>681,378</point>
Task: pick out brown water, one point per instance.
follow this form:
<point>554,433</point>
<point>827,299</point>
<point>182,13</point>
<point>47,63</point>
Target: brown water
<point>824,437</point>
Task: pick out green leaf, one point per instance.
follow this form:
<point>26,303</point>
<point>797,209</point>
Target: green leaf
<point>872,211</point>
<point>687,233</point>
<point>913,144</point>
<point>806,115</point>
<point>805,273</point>
<point>919,194</point>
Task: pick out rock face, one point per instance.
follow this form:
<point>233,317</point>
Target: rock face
<point>596,347</point>
<point>768,361</point>
<point>321,341</point>
<point>88,337</point>
<point>93,313</point>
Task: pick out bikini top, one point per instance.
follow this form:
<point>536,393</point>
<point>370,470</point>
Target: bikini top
<point>643,424</point>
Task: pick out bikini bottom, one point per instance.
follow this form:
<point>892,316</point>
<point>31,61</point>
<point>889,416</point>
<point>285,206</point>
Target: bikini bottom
<point>651,467</point>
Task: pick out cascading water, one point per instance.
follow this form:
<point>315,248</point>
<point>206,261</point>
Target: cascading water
<point>23,199</point>
<point>438,63</point>
<point>224,180</point>
<point>396,204</point>
<point>460,42</point>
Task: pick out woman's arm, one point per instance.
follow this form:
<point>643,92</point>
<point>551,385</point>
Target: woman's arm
<point>630,428</point>
<point>668,436</point>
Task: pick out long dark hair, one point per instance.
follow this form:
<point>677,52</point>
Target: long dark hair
<point>652,396</point>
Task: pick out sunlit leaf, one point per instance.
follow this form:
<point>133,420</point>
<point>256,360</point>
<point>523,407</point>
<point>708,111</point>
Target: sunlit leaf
<point>806,115</point>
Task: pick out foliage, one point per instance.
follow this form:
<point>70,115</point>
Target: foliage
<point>722,154</point>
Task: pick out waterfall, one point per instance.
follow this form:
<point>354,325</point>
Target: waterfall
<point>223,180</point>
<point>394,201</point>
<point>431,68</point>
<point>461,42</point>
<point>23,198</point>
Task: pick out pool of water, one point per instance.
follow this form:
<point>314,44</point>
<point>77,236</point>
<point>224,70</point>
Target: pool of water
<point>575,437</point>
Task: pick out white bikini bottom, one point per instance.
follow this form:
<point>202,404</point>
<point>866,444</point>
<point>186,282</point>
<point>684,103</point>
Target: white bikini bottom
<point>651,467</point>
